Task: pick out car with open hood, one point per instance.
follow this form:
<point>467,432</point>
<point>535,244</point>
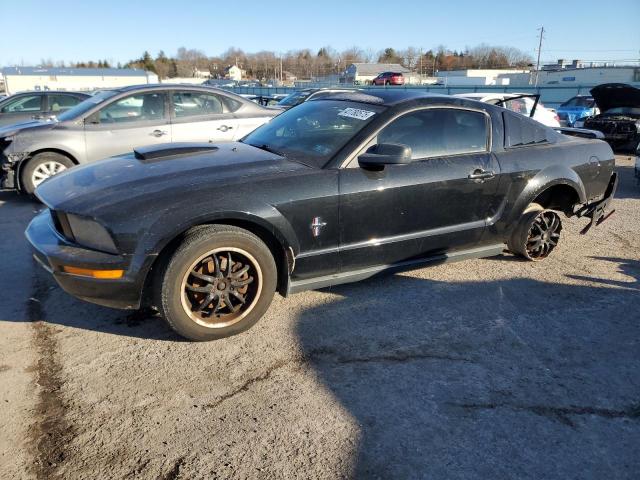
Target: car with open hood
<point>334,190</point>
<point>115,121</point>
<point>619,118</point>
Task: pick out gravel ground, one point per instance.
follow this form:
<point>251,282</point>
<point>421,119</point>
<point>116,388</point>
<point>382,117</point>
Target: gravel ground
<point>493,368</point>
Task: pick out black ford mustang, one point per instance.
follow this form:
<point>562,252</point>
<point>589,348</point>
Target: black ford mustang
<point>334,190</point>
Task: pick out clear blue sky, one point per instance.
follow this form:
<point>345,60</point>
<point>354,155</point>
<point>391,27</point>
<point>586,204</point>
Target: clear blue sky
<point>121,30</point>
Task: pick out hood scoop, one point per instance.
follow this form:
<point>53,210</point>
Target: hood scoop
<point>156,152</point>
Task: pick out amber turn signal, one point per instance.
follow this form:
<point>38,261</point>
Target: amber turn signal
<point>87,272</point>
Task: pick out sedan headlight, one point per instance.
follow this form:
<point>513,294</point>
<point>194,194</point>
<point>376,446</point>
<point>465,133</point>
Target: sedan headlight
<point>84,231</point>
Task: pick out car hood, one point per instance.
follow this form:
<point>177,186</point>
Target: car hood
<point>612,95</point>
<point>127,181</point>
<point>32,125</point>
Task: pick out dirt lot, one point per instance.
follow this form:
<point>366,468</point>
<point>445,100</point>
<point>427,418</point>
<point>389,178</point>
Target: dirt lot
<point>494,368</point>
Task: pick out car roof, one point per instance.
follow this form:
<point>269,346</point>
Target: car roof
<point>49,92</point>
<point>162,86</point>
<point>386,97</point>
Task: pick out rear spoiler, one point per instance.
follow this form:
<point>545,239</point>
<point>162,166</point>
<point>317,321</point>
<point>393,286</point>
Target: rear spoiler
<point>580,132</point>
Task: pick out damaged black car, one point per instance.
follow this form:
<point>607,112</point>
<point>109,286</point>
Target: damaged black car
<point>334,190</point>
<point>620,117</point>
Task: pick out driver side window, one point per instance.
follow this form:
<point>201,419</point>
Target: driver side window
<point>437,132</point>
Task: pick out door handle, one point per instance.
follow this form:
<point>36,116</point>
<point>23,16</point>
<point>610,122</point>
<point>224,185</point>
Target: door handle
<point>224,128</point>
<point>480,174</point>
<point>158,133</point>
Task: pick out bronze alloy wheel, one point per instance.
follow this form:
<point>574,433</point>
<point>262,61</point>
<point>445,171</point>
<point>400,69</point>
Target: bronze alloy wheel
<point>221,287</point>
<point>543,235</point>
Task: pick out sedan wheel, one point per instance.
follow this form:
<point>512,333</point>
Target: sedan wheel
<point>219,282</point>
<point>46,170</point>
<point>41,167</point>
<point>537,234</point>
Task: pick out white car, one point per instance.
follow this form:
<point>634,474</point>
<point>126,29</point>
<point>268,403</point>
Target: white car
<point>517,102</point>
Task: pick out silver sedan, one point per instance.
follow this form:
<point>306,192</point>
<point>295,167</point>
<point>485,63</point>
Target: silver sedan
<point>113,122</point>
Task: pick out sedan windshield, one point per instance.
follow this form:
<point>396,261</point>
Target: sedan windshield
<point>86,105</point>
<point>313,132</point>
<point>294,99</point>
<point>623,111</point>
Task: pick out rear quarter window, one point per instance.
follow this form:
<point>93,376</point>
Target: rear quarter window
<point>521,131</point>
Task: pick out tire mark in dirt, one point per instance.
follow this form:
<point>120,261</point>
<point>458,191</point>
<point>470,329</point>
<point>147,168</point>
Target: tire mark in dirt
<point>50,432</point>
<point>561,414</point>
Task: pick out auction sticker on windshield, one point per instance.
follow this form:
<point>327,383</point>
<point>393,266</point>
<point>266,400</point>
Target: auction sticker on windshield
<point>356,113</point>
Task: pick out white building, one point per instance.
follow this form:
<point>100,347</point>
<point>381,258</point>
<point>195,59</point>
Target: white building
<point>473,77</point>
<point>580,73</point>
<point>233,72</point>
<point>19,79</point>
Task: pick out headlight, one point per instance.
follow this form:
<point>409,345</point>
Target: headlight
<point>84,231</point>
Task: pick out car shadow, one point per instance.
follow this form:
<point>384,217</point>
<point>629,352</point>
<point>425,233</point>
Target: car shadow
<point>516,378</point>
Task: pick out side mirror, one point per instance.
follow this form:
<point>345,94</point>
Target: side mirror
<point>385,154</point>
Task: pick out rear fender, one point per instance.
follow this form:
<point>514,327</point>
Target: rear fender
<point>546,178</point>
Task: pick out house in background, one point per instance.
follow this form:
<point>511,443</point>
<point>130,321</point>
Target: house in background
<point>20,79</point>
<point>233,72</point>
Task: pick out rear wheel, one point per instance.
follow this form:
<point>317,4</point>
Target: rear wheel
<point>42,166</point>
<point>537,234</point>
<point>218,283</point>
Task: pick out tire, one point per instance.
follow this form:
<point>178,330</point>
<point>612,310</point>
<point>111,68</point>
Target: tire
<point>200,299</point>
<point>41,167</point>
<point>537,234</point>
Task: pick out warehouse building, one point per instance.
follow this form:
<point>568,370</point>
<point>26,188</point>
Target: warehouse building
<point>20,79</point>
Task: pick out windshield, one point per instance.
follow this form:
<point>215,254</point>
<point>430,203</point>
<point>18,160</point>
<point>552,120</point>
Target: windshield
<point>294,99</point>
<point>86,105</point>
<point>585,102</point>
<point>312,133</point>
<point>623,111</point>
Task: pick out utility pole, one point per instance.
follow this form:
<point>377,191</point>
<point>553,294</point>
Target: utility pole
<point>539,51</point>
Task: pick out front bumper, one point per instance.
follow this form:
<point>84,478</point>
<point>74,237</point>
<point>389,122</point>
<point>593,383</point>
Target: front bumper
<point>7,173</point>
<point>52,251</point>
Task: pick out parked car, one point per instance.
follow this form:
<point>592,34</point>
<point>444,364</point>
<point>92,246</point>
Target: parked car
<point>577,109</point>
<point>522,103</point>
<point>113,122</point>
<point>27,106</point>
<point>388,78</point>
<point>306,94</point>
<point>620,117</point>
<point>335,190</point>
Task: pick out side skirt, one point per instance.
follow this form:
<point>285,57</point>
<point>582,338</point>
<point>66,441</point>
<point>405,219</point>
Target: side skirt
<point>357,275</point>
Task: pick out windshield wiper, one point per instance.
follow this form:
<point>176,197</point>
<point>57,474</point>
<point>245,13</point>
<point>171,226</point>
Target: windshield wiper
<point>267,148</point>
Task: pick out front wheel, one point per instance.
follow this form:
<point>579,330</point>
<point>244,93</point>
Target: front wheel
<point>219,282</point>
<point>537,233</point>
<point>41,167</point>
